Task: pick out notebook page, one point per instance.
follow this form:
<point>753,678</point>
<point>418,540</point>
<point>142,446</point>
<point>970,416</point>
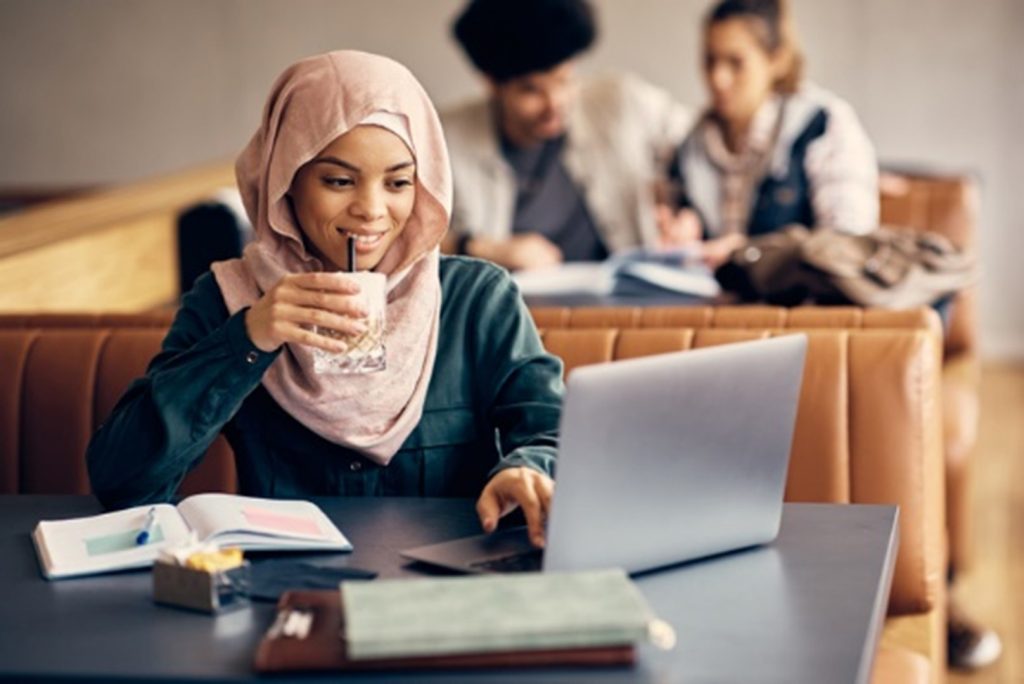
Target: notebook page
<point>256,523</point>
<point>83,546</point>
<point>697,281</point>
<point>575,278</point>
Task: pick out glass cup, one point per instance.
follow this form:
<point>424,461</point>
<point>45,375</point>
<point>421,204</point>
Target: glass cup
<point>365,352</point>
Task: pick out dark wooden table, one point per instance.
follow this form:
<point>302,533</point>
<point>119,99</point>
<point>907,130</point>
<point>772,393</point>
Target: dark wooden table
<point>807,608</point>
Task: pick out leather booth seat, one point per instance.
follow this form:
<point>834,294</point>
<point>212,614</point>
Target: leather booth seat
<point>948,205</point>
<point>868,428</point>
<point>63,373</point>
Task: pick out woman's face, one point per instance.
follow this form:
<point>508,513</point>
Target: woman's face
<point>362,184</point>
<point>739,72</point>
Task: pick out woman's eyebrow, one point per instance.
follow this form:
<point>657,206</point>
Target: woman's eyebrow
<point>338,162</point>
<point>400,165</point>
<point>352,167</point>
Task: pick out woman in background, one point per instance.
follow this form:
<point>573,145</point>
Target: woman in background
<point>771,149</point>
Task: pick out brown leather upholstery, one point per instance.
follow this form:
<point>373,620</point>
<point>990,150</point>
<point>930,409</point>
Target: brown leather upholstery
<point>62,378</point>
<point>864,430</point>
<point>949,205</point>
<point>867,424</point>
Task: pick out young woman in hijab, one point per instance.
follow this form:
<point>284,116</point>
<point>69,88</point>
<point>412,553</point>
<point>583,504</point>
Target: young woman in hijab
<point>349,145</point>
<point>771,149</point>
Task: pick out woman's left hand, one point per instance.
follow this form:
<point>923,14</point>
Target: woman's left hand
<point>524,487</point>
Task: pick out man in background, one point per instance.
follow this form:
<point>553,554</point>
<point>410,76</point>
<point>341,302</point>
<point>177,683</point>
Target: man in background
<point>548,167</point>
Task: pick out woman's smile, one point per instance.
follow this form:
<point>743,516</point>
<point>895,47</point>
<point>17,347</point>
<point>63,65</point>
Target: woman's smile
<point>365,242</point>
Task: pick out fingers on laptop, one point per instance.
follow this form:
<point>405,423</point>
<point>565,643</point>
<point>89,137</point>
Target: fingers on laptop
<point>523,487</point>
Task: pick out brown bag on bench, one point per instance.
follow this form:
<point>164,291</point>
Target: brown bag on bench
<point>887,268</point>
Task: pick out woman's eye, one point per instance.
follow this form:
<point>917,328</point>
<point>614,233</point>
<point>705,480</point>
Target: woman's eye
<point>400,183</point>
<point>338,182</point>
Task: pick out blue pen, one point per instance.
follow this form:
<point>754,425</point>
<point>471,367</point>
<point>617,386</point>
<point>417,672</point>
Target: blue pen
<point>147,527</point>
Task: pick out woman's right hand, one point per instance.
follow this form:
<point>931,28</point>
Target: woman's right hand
<point>287,311</point>
<point>677,228</point>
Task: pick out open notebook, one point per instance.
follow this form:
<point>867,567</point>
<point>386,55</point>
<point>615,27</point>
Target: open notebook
<point>108,542</point>
<point>636,273</point>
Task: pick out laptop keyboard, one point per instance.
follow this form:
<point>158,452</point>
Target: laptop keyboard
<point>520,562</point>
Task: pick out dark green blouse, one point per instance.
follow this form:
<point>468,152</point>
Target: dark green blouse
<point>493,402</point>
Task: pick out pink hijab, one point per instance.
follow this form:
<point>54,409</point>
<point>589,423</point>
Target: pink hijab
<point>313,102</point>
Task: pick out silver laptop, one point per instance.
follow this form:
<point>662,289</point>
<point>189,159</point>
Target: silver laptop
<point>663,459</point>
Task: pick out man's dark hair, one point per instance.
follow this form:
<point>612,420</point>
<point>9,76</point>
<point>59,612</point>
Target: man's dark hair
<point>509,38</point>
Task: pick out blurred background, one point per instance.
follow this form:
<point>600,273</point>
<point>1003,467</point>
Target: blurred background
<point>101,92</point>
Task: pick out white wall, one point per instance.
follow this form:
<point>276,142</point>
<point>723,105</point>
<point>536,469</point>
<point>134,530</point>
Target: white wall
<point>101,91</point>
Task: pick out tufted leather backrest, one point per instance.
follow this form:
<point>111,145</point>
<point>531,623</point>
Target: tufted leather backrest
<point>867,424</point>
<point>869,421</point>
<point>732,317</point>
<point>62,376</point>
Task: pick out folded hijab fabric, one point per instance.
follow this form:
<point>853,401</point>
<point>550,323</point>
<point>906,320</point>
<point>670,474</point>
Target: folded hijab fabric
<point>311,104</point>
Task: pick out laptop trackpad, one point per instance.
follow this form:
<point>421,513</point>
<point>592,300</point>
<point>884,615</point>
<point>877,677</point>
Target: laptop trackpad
<point>504,551</point>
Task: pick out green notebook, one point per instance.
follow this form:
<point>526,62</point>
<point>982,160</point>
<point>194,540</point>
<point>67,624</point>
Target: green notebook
<point>487,614</point>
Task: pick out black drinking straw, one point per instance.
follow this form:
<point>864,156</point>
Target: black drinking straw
<point>351,254</point>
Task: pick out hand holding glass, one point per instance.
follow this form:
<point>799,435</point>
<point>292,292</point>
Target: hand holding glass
<point>363,352</point>
<point>300,304</point>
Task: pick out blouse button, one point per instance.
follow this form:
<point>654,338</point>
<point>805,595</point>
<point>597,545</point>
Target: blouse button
<point>355,466</point>
<point>252,357</point>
